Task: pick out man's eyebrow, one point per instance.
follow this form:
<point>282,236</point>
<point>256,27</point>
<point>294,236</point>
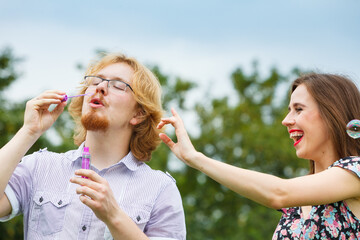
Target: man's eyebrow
<point>114,78</point>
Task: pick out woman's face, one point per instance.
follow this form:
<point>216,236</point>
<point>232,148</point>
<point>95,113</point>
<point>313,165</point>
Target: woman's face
<point>307,128</point>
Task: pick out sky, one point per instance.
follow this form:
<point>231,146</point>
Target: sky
<point>200,41</point>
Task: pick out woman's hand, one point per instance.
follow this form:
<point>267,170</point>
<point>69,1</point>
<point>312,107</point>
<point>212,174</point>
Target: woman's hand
<point>183,149</point>
<point>38,118</point>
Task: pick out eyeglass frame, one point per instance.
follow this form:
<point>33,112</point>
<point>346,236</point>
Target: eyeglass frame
<point>108,80</point>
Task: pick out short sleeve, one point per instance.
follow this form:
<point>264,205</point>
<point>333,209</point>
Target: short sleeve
<point>349,163</point>
<point>167,217</point>
<point>21,181</point>
<point>14,204</point>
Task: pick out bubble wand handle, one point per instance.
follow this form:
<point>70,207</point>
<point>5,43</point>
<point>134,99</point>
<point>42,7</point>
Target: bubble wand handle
<point>85,163</point>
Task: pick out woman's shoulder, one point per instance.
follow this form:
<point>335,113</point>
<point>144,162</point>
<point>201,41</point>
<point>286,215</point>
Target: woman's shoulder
<point>351,163</point>
<point>345,161</point>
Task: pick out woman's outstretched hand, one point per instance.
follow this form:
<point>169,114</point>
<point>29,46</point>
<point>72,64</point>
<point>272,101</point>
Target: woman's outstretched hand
<point>183,149</point>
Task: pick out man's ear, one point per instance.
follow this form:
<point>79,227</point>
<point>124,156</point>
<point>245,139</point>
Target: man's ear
<point>138,117</point>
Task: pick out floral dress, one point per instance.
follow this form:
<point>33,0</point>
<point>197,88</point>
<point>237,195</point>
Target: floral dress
<point>329,221</point>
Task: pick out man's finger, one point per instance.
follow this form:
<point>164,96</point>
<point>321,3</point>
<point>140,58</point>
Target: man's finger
<point>90,174</point>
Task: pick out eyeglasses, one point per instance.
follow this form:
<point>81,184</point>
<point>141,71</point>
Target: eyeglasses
<point>117,85</point>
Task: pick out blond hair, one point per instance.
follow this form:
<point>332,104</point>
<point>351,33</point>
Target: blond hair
<point>147,93</point>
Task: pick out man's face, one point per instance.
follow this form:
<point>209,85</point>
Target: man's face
<point>108,107</point>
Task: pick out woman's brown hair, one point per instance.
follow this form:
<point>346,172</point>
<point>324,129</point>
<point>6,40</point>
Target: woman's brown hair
<point>147,93</point>
<point>338,100</point>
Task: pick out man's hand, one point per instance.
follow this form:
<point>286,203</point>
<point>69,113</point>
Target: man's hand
<point>96,194</point>
<point>37,117</point>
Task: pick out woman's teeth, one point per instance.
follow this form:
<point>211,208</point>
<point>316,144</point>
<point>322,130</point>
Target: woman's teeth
<point>296,135</point>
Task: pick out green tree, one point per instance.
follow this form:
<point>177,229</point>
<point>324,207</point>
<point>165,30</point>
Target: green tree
<point>174,92</point>
<point>244,131</point>
<point>11,120</point>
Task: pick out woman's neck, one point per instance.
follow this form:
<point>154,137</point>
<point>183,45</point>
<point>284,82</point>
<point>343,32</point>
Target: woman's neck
<point>322,164</point>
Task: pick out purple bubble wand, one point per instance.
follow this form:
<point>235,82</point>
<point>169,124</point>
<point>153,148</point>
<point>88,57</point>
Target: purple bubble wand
<point>85,163</point>
<point>66,96</point>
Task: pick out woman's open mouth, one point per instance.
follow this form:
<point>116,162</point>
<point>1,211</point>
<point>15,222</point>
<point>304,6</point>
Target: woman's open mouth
<point>297,136</point>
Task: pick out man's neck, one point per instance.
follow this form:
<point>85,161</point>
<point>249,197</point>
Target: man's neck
<point>107,148</point>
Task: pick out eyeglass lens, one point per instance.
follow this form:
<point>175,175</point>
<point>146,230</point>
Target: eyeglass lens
<point>115,84</point>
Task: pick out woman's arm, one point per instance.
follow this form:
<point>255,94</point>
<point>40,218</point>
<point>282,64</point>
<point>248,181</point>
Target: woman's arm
<point>328,186</point>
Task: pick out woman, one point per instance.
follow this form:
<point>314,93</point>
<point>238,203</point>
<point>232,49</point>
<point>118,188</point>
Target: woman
<point>322,205</point>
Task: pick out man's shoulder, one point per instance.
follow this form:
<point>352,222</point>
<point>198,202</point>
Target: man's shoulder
<point>164,176</point>
<point>145,174</point>
<point>44,155</point>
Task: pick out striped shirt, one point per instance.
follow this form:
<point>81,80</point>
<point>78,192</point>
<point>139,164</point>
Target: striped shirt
<point>40,189</point>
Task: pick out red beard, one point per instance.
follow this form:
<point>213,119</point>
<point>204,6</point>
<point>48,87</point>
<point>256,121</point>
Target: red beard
<point>93,122</point>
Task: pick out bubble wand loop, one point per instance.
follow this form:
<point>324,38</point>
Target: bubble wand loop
<point>353,128</point>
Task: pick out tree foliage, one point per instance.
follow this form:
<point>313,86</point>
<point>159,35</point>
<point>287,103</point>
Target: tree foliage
<point>11,120</point>
<point>247,133</point>
<point>243,130</point>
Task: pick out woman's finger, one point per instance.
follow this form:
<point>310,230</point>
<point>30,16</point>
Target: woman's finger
<point>164,121</point>
<point>167,140</point>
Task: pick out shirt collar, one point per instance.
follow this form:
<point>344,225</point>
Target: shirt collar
<point>78,152</point>
<point>130,161</point>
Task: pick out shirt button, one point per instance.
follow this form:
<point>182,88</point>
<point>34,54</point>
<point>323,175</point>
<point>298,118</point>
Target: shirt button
<point>60,202</point>
<point>84,228</point>
<point>41,199</point>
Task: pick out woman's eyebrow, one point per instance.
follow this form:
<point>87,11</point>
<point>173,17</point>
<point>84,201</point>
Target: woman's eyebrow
<point>296,105</point>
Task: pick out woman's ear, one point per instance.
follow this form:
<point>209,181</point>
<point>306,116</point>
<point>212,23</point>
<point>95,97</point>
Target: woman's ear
<point>138,117</point>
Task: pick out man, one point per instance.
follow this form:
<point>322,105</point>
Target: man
<point>117,121</point>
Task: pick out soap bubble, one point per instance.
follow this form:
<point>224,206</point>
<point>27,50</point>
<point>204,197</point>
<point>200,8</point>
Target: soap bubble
<point>353,128</point>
